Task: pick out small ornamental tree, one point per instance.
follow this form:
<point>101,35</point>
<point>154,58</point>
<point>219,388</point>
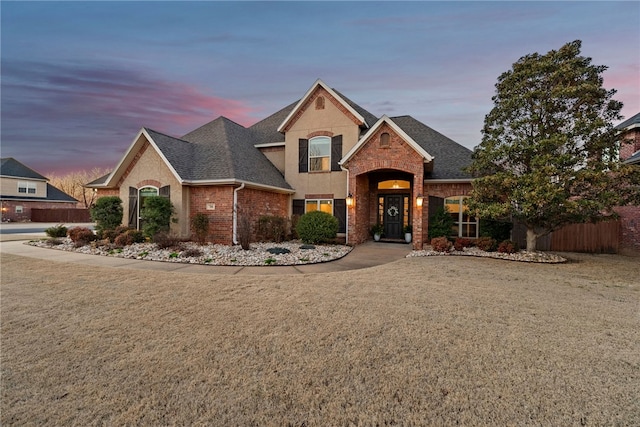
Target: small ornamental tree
<point>440,223</point>
<point>107,213</point>
<point>548,155</point>
<point>156,215</point>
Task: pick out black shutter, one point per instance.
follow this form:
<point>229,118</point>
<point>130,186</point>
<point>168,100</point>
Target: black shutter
<point>298,207</point>
<point>133,207</point>
<point>303,155</point>
<point>340,212</point>
<point>165,191</point>
<point>336,152</point>
<point>435,203</point>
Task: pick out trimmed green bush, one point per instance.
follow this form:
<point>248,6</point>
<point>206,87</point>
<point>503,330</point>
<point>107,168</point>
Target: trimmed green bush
<point>498,230</point>
<point>107,213</point>
<point>317,227</point>
<point>57,231</point>
<point>156,215</point>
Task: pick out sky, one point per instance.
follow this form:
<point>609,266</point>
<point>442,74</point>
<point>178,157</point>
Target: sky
<point>80,79</point>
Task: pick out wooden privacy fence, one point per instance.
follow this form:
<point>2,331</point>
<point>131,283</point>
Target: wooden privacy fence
<point>60,215</point>
<point>603,237</point>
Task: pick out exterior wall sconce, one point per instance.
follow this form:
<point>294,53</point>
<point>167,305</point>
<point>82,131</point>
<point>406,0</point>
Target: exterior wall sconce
<point>419,200</point>
<point>350,201</point>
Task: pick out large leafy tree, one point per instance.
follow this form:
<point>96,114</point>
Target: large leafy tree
<point>548,155</point>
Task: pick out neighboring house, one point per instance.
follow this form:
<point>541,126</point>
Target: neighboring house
<point>323,152</point>
<point>629,137</point>
<point>23,189</point>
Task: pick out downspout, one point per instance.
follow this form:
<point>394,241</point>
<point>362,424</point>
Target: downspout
<point>235,213</point>
<point>346,221</point>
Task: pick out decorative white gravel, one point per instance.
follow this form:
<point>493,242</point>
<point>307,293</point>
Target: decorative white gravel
<point>212,254</point>
<point>522,256</point>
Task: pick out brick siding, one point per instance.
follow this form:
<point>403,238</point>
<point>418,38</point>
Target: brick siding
<point>9,209</point>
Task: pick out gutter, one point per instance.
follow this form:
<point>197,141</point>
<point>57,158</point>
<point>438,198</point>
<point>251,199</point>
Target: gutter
<point>235,213</point>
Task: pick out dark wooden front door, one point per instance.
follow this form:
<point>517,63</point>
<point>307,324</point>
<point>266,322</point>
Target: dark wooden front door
<point>393,215</point>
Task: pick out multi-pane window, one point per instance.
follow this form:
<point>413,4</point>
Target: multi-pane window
<point>324,205</point>
<point>465,225</point>
<point>320,154</point>
<point>26,187</point>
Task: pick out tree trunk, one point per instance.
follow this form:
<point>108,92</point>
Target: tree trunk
<point>532,238</point>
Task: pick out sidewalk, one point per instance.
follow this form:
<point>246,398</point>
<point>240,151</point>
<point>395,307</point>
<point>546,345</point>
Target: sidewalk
<point>366,255</point>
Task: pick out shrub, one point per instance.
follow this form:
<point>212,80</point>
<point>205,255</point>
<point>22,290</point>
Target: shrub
<point>507,247</point>
<point>167,241</point>
<point>81,236</point>
<point>54,241</point>
<point>129,237</point>
<point>156,215</point>
<point>441,223</point>
<point>107,213</point>
<point>272,228</point>
<point>111,234</point>
<point>191,252</point>
<point>317,227</point>
<point>498,230</point>
<point>486,244</point>
<point>56,231</point>
<point>462,242</point>
<point>200,227</point>
<point>441,244</point>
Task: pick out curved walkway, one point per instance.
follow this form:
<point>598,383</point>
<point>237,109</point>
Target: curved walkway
<point>366,255</point>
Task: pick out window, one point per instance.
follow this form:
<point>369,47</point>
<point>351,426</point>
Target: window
<point>324,205</point>
<point>26,187</point>
<point>319,154</point>
<point>465,225</point>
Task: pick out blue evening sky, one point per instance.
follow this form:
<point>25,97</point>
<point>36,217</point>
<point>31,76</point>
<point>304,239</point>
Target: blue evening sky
<point>79,79</point>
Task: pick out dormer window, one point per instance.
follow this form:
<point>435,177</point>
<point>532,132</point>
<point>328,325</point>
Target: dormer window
<point>320,103</point>
<point>384,139</point>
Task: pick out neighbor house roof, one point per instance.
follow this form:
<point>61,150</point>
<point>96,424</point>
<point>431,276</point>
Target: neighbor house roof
<point>633,160</point>
<point>630,123</point>
<point>10,167</point>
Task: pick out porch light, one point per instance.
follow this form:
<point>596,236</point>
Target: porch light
<point>419,200</point>
<point>350,200</point>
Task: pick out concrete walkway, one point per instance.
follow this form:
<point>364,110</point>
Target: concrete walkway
<point>365,255</point>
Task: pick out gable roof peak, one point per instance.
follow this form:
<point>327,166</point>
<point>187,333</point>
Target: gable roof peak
<point>348,105</point>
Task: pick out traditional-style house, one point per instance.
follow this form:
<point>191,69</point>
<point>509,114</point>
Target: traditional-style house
<point>24,189</point>
<point>629,137</point>
<point>323,152</point>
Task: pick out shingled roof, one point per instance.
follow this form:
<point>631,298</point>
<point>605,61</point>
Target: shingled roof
<point>633,121</point>
<point>10,167</point>
<point>219,150</point>
<point>450,158</point>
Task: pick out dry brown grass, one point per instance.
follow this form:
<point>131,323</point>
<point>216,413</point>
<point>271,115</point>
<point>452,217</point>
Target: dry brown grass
<point>422,341</point>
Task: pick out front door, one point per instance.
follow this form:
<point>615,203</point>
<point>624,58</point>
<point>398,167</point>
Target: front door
<point>393,216</point>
